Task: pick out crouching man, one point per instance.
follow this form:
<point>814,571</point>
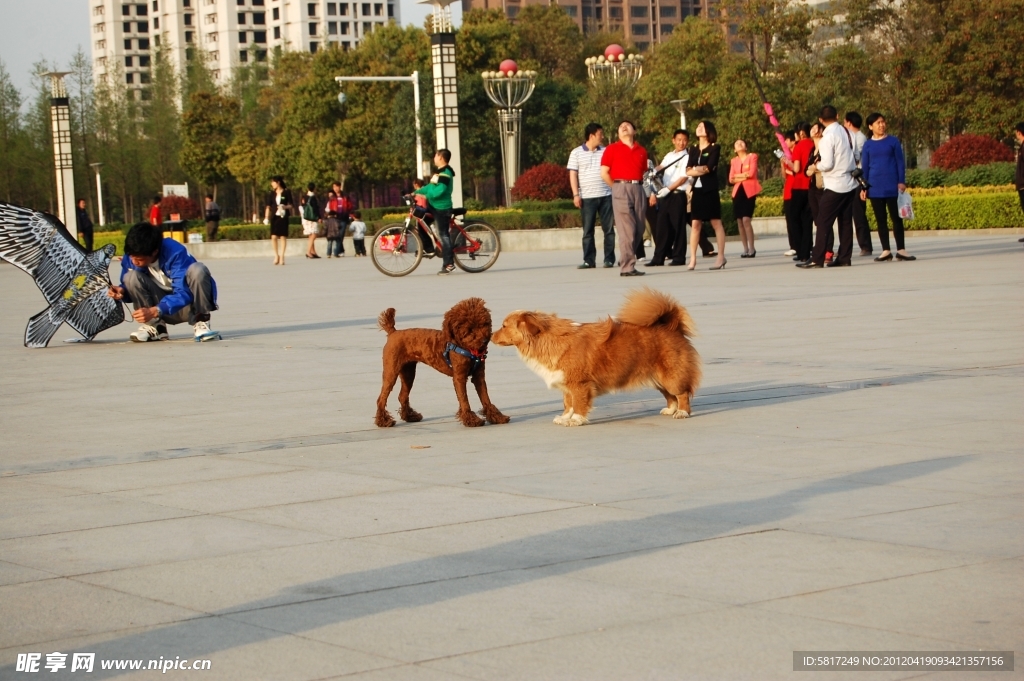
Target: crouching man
<point>165,284</point>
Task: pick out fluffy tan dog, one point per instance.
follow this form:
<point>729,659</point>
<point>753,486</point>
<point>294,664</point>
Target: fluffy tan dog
<point>648,345</point>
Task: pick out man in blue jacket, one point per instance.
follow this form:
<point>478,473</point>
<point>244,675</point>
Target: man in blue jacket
<point>165,284</point>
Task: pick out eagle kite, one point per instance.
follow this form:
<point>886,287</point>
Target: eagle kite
<point>73,281</point>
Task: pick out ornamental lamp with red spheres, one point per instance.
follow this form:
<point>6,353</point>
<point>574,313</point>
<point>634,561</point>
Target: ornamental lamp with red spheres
<point>616,66</point>
<point>509,88</point>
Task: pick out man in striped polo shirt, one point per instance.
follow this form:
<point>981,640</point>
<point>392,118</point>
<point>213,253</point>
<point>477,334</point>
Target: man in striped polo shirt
<point>592,195</point>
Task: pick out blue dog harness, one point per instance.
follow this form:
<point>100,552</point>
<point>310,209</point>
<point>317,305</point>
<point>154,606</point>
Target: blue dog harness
<point>477,357</point>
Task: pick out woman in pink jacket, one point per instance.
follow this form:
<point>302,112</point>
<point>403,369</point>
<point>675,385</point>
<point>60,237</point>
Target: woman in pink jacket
<point>745,188</point>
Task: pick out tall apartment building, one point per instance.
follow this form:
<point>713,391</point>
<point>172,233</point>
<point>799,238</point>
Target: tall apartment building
<point>642,22</point>
<point>231,32</point>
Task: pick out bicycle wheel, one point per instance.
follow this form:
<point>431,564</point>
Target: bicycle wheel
<point>476,247</point>
<point>396,251</point>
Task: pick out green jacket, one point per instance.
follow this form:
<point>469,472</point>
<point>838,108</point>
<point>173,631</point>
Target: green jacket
<point>439,194</point>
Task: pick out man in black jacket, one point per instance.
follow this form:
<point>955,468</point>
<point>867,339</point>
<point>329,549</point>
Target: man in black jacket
<point>85,222</point>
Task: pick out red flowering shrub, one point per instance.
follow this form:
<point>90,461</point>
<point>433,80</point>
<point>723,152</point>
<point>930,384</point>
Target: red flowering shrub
<point>963,151</point>
<point>187,208</point>
<point>546,182</point>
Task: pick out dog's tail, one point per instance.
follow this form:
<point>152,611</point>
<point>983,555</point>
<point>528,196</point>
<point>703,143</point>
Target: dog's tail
<point>386,321</point>
<point>647,307</point>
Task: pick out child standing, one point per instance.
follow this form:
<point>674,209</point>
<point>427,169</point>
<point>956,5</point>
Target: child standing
<point>358,234</point>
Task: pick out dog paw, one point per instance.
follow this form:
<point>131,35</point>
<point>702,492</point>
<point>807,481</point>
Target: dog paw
<point>470,420</point>
<point>561,419</point>
<point>497,417</point>
<point>669,411</point>
<point>411,416</point>
<point>577,420</point>
<point>681,414</point>
<point>384,420</point>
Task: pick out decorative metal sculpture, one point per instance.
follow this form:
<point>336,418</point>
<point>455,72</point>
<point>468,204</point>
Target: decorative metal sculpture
<point>615,65</point>
<point>73,281</point>
<point>509,88</point>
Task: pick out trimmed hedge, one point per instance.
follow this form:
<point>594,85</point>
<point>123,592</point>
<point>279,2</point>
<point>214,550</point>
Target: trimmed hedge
<point>968,211</point>
<point>101,239</point>
<point>974,176</point>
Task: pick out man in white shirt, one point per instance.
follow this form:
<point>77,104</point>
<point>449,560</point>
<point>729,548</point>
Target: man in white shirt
<point>592,196</point>
<point>837,164</point>
<point>672,214</point>
<point>852,121</point>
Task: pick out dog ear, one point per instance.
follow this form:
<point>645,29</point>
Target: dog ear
<point>529,324</point>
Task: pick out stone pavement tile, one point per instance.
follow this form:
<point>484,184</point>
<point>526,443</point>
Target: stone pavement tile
<point>728,643</point>
<point>986,527</point>
<point>451,466</point>
<point>152,543</point>
<point>977,606</point>
<point>977,435</point>
<point>462,615</point>
<point>263,490</point>
<point>42,611</point>
<point>291,574</point>
<point>787,503</point>
<point>405,672</point>
<point>146,474</point>
<point>50,515</point>
<point>747,568</point>
<point>398,511</point>
<point>18,574</point>
<point>15,491</point>
<point>294,658</point>
<point>625,481</point>
<point>235,651</point>
<point>537,539</point>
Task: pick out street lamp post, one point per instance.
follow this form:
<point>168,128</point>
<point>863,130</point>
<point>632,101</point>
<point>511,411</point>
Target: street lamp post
<point>509,88</point>
<point>446,89</point>
<point>99,193</point>
<point>60,122</point>
<point>415,80</point>
<point>616,66</point>
<point>680,105</point>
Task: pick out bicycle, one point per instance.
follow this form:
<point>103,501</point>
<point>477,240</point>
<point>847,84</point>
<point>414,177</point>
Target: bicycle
<point>398,248</point>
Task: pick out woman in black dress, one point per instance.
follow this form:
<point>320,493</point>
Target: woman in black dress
<point>279,205</point>
<point>706,204</point>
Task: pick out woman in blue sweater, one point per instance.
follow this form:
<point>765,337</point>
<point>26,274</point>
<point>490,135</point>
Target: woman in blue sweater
<point>885,173</point>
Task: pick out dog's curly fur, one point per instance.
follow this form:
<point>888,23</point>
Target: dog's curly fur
<point>467,325</point>
<point>647,346</point>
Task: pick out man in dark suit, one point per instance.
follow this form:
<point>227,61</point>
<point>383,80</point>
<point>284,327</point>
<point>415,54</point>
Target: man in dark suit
<point>84,224</point>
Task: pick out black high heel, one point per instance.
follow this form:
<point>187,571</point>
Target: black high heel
<point>884,258</point>
<point>905,258</point>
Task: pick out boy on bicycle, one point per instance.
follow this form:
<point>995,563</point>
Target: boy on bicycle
<point>439,198</point>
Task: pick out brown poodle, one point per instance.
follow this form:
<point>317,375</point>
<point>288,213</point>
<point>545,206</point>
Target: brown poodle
<point>457,350</point>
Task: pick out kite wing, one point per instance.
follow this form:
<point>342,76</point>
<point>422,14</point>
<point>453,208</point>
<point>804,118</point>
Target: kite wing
<point>96,311</point>
<point>41,246</point>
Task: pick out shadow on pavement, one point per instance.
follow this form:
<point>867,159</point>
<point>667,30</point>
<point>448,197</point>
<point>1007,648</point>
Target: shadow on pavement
<point>349,597</point>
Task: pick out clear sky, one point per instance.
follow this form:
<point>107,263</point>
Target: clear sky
<point>54,29</point>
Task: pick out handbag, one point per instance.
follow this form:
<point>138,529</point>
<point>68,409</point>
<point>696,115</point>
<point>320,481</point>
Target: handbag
<point>905,206</point>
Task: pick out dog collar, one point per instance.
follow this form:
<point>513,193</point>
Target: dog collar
<point>475,355</point>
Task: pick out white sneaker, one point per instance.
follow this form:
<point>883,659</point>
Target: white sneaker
<point>205,333</point>
<point>148,333</point>
<point>789,253</point>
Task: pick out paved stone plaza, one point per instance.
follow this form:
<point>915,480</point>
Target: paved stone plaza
<point>852,479</point>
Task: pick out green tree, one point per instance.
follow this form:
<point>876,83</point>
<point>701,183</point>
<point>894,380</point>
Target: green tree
<point>207,127</point>
<point>11,136</point>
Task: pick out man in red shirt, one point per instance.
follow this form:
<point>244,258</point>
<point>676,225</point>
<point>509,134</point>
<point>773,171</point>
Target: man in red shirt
<point>623,165</point>
<point>155,218</point>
